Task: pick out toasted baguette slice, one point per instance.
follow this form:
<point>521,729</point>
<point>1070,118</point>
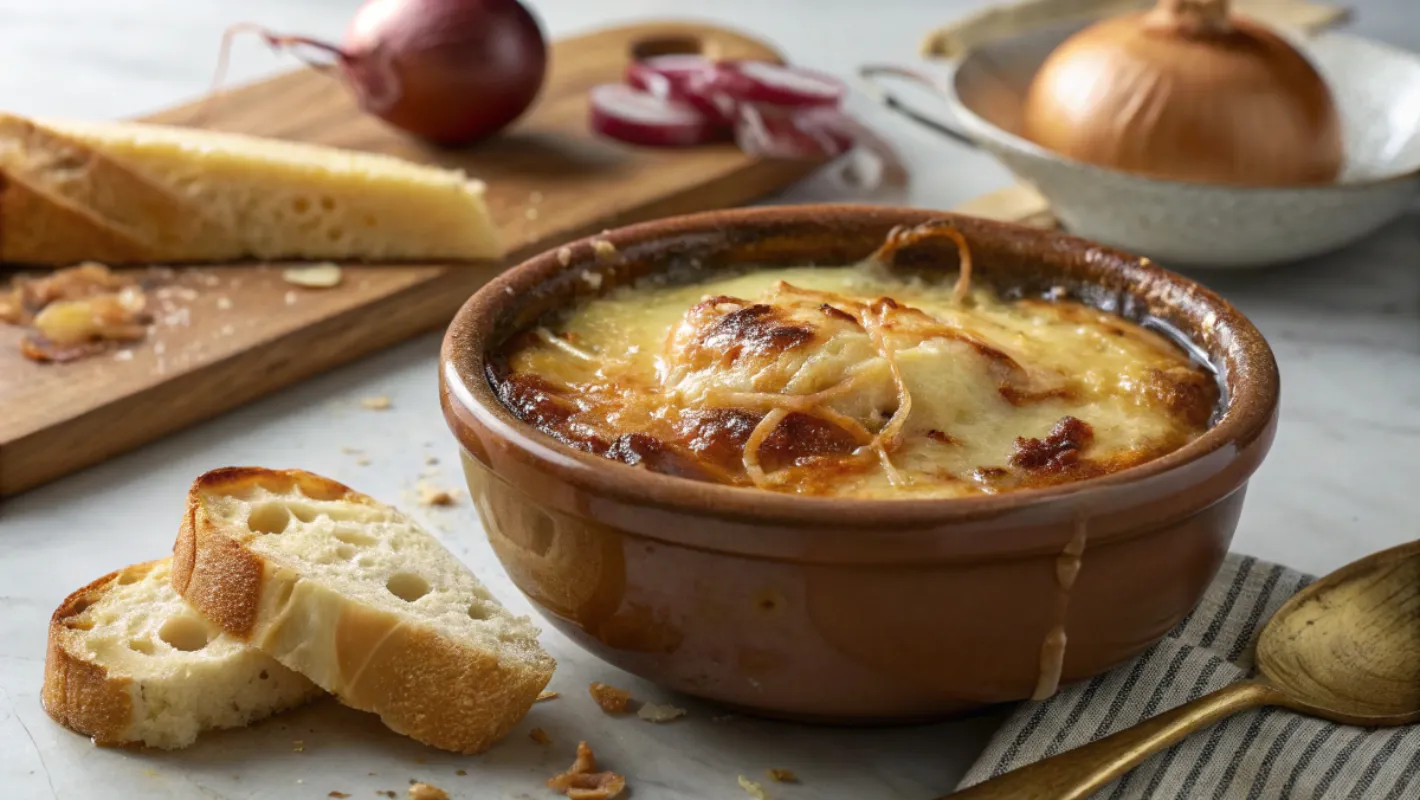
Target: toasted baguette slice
<point>359,599</point>
<point>130,663</point>
<point>126,192</point>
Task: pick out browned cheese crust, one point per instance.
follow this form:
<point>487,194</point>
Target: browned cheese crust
<point>718,404</point>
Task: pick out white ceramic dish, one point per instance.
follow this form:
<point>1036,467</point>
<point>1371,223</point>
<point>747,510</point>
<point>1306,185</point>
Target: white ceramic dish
<point>1377,89</point>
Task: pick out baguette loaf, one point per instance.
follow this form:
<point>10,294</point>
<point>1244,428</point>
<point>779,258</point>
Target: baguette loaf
<point>359,599</point>
<point>126,192</point>
<point>130,663</point>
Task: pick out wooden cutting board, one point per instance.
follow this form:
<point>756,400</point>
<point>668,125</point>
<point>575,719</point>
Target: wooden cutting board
<point>229,334</point>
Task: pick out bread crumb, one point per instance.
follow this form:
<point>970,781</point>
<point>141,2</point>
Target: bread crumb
<point>753,789</point>
<point>377,403</point>
<point>540,736</point>
<point>224,303</point>
<point>460,772</point>
<point>582,781</point>
<point>386,793</point>
<point>123,355</point>
<point>298,746</point>
<point>541,696</point>
<point>564,256</point>
<point>290,298</point>
<point>316,276</point>
<point>782,775</point>
<point>351,451</point>
<point>605,250</point>
<point>423,791</point>
<point>611,699</point>
<point>363,461</point>
<point>431,460</point>
<point>430,495</point>
<point>654,713</point>
<point>338,795</point>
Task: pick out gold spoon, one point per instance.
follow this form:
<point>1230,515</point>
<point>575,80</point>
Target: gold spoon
<point>1345,649</point>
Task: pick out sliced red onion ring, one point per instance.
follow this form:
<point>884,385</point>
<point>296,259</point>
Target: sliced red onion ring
<point>777,84</point>
<point>638,117</point>
<point>688,78</point>
<point>664,76</point>
<point>778,132</point>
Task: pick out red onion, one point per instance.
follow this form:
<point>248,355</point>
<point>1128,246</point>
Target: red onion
<point>778,84</point>
<point>450,71</point>
<point>640,117</point>
<point>769,110</point>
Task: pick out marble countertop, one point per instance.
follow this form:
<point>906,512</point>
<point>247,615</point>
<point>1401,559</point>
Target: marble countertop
<point>1343,478</point>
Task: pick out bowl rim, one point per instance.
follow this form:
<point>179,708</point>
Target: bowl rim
<point>988,134</point>
<point>1251,404</point>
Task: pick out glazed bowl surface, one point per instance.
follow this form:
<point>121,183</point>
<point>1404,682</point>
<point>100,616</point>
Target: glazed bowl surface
<point>1377,91</point>
<point>851,610</point>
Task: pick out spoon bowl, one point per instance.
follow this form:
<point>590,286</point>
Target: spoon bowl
<point>1344,649</point>
<point>1347,648</point>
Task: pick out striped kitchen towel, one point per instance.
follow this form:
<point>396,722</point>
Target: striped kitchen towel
<point>1269,754</point>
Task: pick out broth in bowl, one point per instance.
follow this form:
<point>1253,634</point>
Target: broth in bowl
<point>863,380</point>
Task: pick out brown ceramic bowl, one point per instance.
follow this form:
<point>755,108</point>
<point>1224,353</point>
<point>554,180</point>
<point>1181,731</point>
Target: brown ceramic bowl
<point>851,610</point>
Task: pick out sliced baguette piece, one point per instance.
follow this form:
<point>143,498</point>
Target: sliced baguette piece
<point>129,192</point>
<point>356,597</point>
<point>130,663</point>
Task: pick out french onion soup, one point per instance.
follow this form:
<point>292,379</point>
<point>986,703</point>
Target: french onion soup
<point>855,381</point>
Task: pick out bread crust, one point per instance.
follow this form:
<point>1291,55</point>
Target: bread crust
<point>62,201</point>
<point>77,693</point>
<point>444,693</point>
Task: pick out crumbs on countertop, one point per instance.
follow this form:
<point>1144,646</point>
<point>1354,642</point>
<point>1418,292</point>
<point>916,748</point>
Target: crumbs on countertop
<point>611,699</point>
<point>540,736</point>
<point>379,402</point>
<point>460,772</point>
<point>298,746</point>
<point>782,775</point>
<point>658,713</point>
<point>753,788</point>
<point>583,781</point>
<point>424,791</point>
<point>546,695</point>
<point>315,276</point>
<point>431,495</point>
<point>338,795</point>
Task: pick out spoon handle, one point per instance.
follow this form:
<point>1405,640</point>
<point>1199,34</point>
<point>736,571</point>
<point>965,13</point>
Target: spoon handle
<point>1077,774</point>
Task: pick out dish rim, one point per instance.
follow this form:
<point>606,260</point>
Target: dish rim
<point>1250,400</point>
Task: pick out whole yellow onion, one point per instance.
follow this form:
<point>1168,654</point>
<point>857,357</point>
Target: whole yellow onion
<point>1187,91</point>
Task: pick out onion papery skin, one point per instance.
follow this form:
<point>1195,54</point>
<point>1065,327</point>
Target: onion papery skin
<point>1154,94</point>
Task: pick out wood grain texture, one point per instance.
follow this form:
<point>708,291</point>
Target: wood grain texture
<point>230,334</point>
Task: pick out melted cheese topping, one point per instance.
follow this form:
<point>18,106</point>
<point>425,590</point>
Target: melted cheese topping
<point>852,381</point>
